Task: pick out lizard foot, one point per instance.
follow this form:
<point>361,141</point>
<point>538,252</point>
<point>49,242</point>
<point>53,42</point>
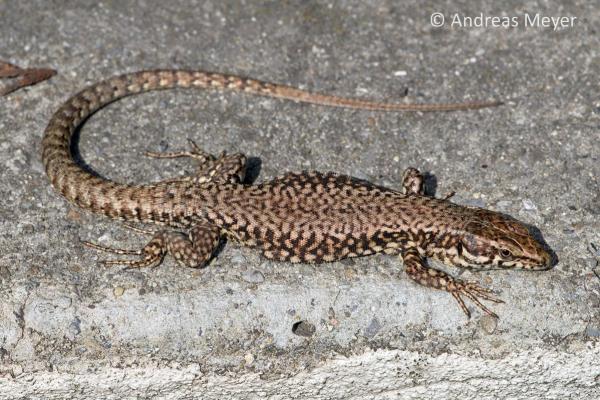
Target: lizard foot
<point>152,253</point>
<point>417,269</point>
<point>473,292</point>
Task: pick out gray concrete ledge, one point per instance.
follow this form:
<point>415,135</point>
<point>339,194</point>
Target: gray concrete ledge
<point>245,327</point>
<point>381,374</point>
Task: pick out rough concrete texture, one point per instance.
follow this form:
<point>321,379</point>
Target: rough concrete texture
<point>248,328</point>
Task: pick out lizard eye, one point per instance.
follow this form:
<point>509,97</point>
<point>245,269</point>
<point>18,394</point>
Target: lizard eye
<point>505,253</point>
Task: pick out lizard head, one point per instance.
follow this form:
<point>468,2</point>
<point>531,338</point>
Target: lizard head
<point>493,240</point>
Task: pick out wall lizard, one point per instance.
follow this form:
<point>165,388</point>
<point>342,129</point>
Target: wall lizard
<point>308,216</point>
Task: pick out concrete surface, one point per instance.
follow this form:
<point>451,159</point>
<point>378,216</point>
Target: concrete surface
<point>248,328</point>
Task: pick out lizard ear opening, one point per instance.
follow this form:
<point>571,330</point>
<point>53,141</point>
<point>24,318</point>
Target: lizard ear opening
<point>469,244</point>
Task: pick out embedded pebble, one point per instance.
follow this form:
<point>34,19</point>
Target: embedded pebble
<point>253,276</point>
<point>74,328</point>
<point>238,259</point>
<point>528,205</point>
<point>17,370</point>
<point>592,331</point>
<point>163,145</point>
<point>373,328</point>
<point>28,229</point>
<point>488,324</point>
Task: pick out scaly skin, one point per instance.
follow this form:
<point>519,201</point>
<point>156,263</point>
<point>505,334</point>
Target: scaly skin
<point>300,217</point>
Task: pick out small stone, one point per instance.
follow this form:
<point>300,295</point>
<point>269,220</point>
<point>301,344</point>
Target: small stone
<point>253,276</point>
<point>74,328</point>
<point>163,145</point>
<point>592,331</point>
<point>249,358</point>
<point>488,324</point>
<point>594,205</point>
<point>528,205</point>
<point>373,328</point>
<point>28,229</point>
<point>238,259</point>
<point>17,370</point>
<point>118,291</point>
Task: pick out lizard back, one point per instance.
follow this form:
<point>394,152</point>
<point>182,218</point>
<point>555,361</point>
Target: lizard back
<point>116,200</point>
<point>312,216</point>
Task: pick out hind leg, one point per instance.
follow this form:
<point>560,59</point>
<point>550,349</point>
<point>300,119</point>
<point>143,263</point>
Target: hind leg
<point>222,169</point>
<point>191,250</point>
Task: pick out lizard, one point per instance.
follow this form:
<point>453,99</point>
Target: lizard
<point>308,216</point>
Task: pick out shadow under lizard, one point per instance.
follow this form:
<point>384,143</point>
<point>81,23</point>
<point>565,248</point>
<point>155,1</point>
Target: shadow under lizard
<point>308,216</point>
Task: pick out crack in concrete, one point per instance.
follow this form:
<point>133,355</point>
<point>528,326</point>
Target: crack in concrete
<point>20,316</point>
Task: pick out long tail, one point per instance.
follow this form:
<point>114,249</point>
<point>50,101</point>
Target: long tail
<point>131,202</point>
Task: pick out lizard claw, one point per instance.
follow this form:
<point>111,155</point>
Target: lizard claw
<point>473,292</point>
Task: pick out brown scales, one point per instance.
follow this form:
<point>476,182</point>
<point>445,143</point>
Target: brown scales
<point>299,217</point>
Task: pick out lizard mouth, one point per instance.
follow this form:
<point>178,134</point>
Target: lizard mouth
<point>545,261</point>
<point>541,260</point>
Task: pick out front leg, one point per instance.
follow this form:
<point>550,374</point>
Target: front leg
<point>415,267</point>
